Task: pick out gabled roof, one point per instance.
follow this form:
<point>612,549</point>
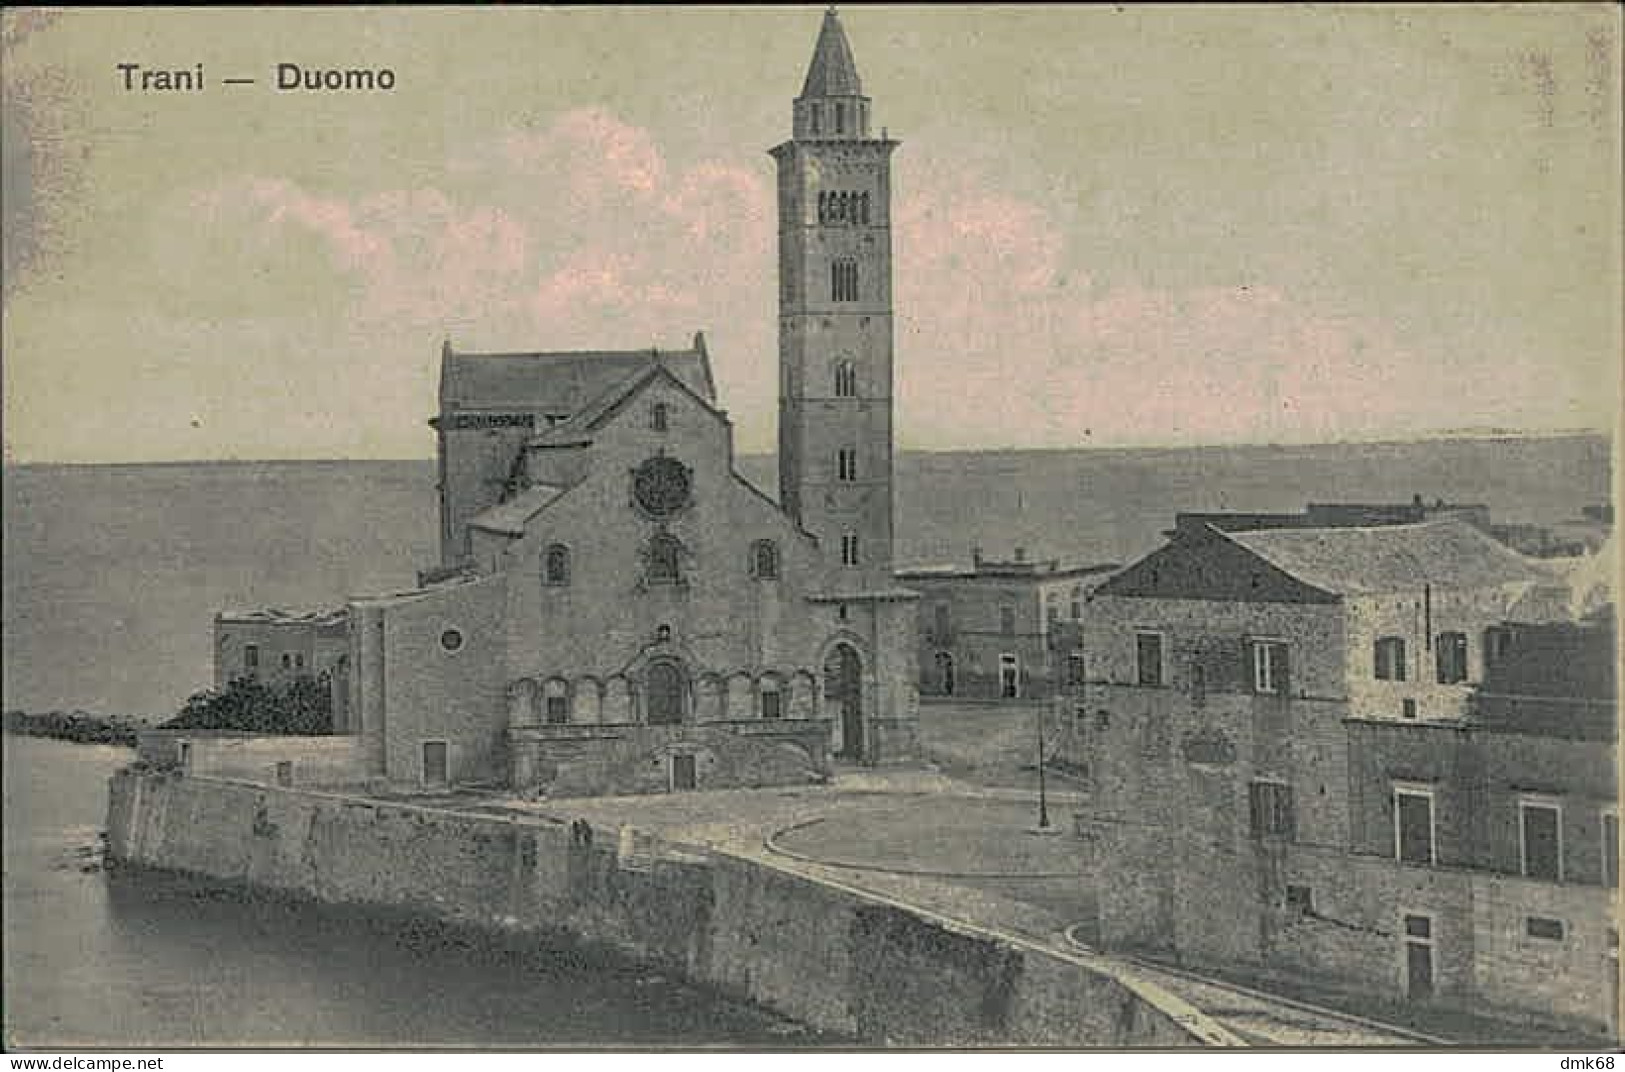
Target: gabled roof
<point>1392,558</point>
<point>833,72</point>
<point>1211,565</point>
<point>559,382</point>
<point>577,431</point>
<point>509,518</point>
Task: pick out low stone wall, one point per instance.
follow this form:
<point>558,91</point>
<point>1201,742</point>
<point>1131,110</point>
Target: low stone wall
<point>311,761</point>
<point>836,958</point>
<point>622,758</point>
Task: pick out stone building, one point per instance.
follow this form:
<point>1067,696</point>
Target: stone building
<point>1313,753</point>
<point>616,609</point>
<point>274,645</point>
<point>1000,631</point>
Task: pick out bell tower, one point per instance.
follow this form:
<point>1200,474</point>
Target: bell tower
<point>835,319</point>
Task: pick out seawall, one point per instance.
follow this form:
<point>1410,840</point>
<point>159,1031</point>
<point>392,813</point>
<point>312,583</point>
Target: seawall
<point>835,958</point>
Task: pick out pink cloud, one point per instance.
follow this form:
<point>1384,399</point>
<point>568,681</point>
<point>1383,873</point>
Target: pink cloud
<point>585,235</point>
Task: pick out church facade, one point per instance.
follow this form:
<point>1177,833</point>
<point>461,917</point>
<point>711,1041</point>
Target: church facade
<point>616,609</point>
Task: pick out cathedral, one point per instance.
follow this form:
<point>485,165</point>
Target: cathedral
<point>616,609</point>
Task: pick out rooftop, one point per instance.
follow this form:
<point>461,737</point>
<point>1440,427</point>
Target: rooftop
<point>559,382</point>
<point>1365,560</point>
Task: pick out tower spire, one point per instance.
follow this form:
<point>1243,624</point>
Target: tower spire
<point>833,72</point>
<point>832,104</point>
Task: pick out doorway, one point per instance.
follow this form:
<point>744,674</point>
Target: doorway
<point>683,775</point>
<point>664,688</point>
<point>843,692</point>
<point>435,765</point>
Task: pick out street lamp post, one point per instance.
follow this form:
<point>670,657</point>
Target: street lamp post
<point>1043,803</point>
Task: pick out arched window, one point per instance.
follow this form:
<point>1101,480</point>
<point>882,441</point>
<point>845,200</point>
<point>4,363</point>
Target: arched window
<point>663,694</point>
<point>843,279</point>
<point>658,417</point>
<point>770,700</point>
<point>556,564</point>
<point>665,560</point>
<point>840,118</point>
<point>556,702</point>
<point>846,465</point>
<point>817,118</point>
<point>764,560</point>
<point>846,379</point>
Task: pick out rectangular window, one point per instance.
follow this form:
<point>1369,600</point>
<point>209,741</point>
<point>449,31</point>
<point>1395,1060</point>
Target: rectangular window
<point>1543,927</point>
<point>1540,832</point>
<point>558,710</point>
<point>1610,848</point>
<point>1007,620</point>
<point>1450,655</point>
<point>1270,811</point>
<point>1269,666</point>
<point>251,656</point>
<point>1148,657</point>
<point>299,662</point>
<point>1418,942</point>
<point>1075,668</point>
<point>846,465</point>
<point>284,773</point>
<point>1413,826</point>
<point>1407,708</point>
<point>287,660</point>
<point>817,119</point>
<point>770,704</point>
<point>1389,659</point>
<point>1301,898</point>
<point>436,763</point>
<point>849,549</point>
<point>1009,677</point>
<point>940,615</point>
<point>1497,642</point>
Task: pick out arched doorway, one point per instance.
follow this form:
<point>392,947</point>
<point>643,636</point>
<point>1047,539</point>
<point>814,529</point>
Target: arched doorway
<point>843,695</point>
<point>663,694</point>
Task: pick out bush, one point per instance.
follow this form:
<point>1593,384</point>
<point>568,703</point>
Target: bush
<point>301,706</point>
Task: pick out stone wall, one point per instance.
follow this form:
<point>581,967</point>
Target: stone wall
<point>312,761</point>
<point>568,761</point>
<point>835,958</point>
<point>1221,908</point>
<point>1478,777</point>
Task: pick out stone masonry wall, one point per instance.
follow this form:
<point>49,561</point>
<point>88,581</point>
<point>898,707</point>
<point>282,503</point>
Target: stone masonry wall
<point>835,958</point>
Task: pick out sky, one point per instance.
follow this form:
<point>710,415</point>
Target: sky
<point>1113,226</point>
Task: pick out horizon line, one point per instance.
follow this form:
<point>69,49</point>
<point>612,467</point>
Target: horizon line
<point>1429,437</point>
